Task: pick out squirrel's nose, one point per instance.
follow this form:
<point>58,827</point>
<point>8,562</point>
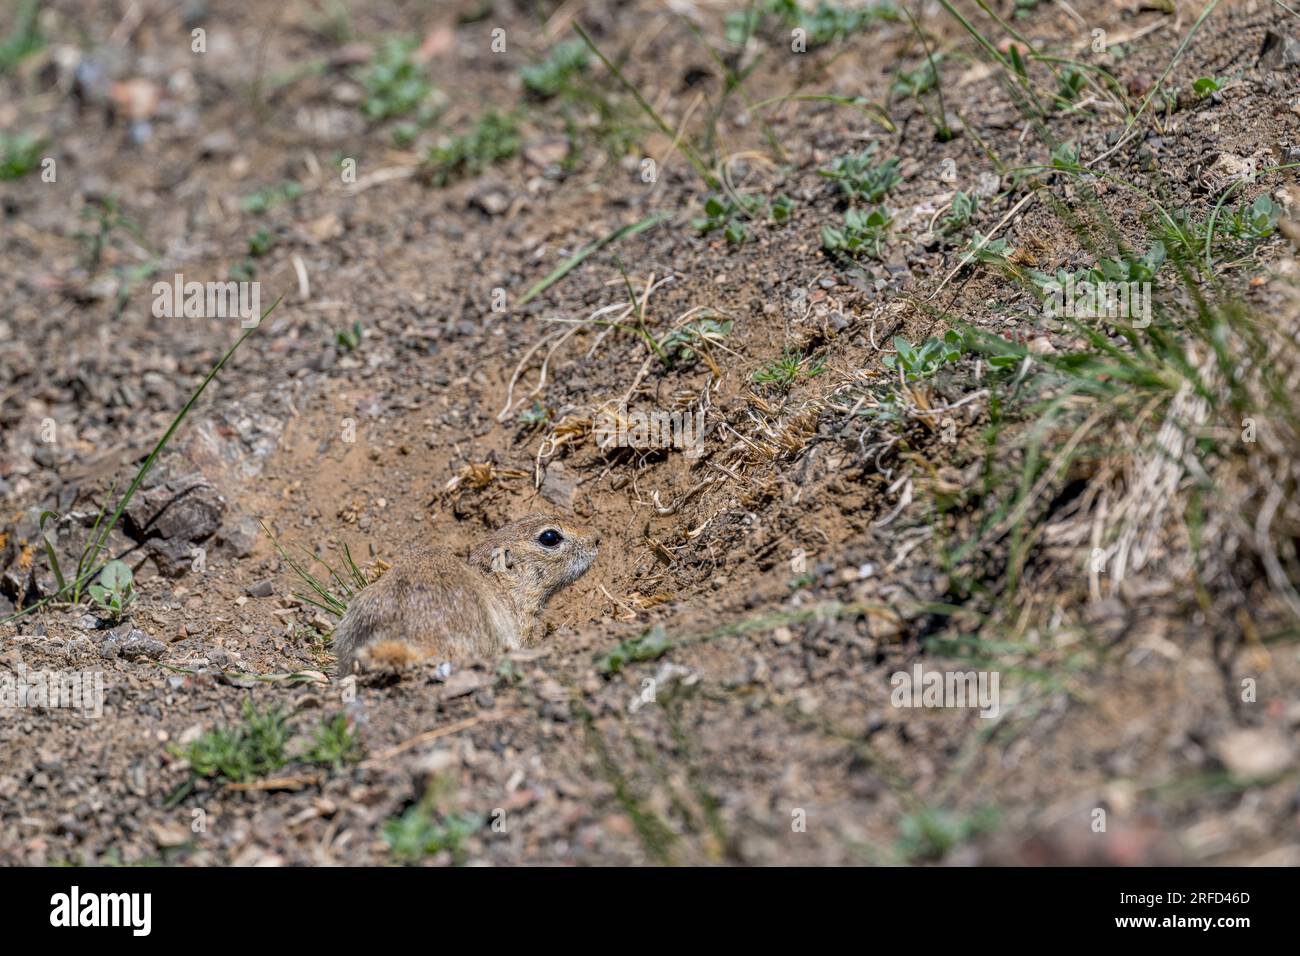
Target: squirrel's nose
<point>595,538</point>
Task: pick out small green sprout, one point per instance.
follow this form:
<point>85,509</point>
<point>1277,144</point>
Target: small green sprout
<point>550,77</point>
<point>1256,222</point>
<point>347,340</point>
<point>916,83</point>
<point>683,344</point>
<point>20,154</point>
<point>921,362</point>
<point>959,214</point>
<point>264,199</point>
<point>863,232</point>
<point>395,84</point>
<point>335,744</point>
<point>730,215</point>
<point>493,139</point>
<point>788,369</point>
<point>860,178</point>
<point>261,242</point>
<point>115,591</point>
<point>1206,85</point>
<point>648,647</point>
<point>420,831</point>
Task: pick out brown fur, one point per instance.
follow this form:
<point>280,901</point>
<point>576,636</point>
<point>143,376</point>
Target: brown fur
<point>431,604</point>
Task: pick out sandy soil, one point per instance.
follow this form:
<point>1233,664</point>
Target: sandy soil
<point>795,566</point>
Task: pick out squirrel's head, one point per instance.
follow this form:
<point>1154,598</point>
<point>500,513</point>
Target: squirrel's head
<point>537,556</point>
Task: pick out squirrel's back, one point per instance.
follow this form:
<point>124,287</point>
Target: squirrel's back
<point>432,603</point>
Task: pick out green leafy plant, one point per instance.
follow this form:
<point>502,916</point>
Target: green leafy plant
<point>916,83</point>
<point>1206,85</point>
<point>591,109</point>
<point>824,24</point>
<point>394,84</point>
<point>863,233</point>
<point>780,209</point>
<point>730,214</point>
<point>349,339</point>
<point>862,179</point>
<point>982,249</point>
<point>404,134</point>
<point>258,745</point>
<point>554,74</point>
<point>788,369</point>
<point>1130,269</point>
<point>1065,156</point>
<point>921,362</point>
<point>829,22</point>
<point>535,417</point>
<point>739,25</point>
<point>1124,269</point>
<point>1070,85</point>
<point>24,39</point>
<point>650,646</point>
<point>422,831</point>
<point>806,580</point>
<point>335,744</point>
<point>719,213</point>
<point>261,242</point>
<point>246,751</point>
<point>959,214</point>
<point>115,591</point>
<point>20,154</point>
<point>684,344</point>
<point>494,138</point>
<point>266,199</point>
<point>927,835</point>
<point>1254,222</point>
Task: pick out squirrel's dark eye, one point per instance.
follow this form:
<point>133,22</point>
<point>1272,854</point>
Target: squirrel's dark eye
<point>549,538</point>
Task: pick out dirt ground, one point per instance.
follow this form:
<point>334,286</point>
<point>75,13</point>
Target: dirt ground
<point>402,393</point>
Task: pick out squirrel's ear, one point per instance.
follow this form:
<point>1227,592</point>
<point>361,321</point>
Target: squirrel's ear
<point>501,559</point>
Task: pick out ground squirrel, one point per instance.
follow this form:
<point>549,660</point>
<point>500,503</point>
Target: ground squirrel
<point>432,604</point>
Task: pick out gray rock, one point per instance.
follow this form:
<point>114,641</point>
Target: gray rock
<point>140,644</point>
<point>1256,753</point>
<point>172,556</point>
<point>559,485</point>
<point>261,589</point>
<point>189,510</point>
<point>491,198</point>
<point>1279,52</point>
<point>463,683</point>
<point>238,538</point>
<point>132,644</point>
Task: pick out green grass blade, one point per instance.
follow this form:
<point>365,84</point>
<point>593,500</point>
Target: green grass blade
<point>577,258</point>
<point>650,111</point>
